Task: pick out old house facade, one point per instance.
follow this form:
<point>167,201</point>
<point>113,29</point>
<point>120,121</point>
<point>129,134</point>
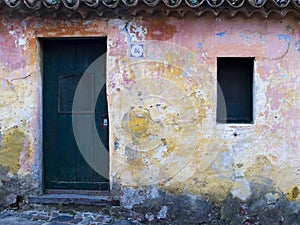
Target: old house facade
<point>181,107</point>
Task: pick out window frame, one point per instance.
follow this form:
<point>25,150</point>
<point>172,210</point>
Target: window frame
<point>249,75</point>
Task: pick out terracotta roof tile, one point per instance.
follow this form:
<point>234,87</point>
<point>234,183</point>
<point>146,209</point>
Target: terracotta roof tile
<point>167,7</point>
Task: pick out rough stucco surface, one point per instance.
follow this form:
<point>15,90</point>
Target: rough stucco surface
<point>167,152</point>
<point>163,113</point>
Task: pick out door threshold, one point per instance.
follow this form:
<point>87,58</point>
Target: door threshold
<point>74,199</point>
<point>78,192</point>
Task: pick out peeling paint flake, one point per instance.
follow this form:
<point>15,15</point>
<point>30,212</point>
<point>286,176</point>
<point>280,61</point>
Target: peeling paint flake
<point>221,34</point>
<point>297,45</point>
<point>12,32</point>
<point>284,37</point>
<point>24,24</point>
<point>37,25</point>
<point>22,41</point>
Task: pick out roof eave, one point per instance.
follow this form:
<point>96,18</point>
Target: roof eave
<point>117,8</point>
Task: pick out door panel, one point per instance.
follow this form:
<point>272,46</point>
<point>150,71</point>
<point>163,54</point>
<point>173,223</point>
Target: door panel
<point>64,63</point>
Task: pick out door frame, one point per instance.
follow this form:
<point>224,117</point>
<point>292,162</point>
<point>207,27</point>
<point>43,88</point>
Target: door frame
<point>39,162</point>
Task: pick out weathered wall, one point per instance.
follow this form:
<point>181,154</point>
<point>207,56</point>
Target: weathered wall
<point>166,148</point>
<point>21,96</point>
<point>163,113</point>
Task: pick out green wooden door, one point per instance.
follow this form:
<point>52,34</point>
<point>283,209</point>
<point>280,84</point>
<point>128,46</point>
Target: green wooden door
<point>64,63</point>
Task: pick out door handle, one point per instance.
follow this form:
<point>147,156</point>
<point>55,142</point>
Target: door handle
<point>105,120</point>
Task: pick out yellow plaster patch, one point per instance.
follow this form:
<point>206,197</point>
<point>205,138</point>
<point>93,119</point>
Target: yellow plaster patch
<point>13,145</point>
<point>7,93</point>
<point>293,194</point>
<point>260,170</point>
<point>285,178</point>
<point>139,123</point>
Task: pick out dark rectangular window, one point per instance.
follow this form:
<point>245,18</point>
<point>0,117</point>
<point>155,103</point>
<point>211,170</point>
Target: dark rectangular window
<point>235,90</point>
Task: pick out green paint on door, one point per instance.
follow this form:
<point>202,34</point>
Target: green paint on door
<point>64,63</point>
